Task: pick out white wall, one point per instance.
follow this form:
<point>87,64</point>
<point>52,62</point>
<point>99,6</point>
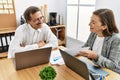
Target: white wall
<point>110,4</point>
<point>58,6</point>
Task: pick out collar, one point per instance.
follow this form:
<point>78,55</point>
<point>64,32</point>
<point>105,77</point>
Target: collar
<point>107,38</point>
<point>32,30</point>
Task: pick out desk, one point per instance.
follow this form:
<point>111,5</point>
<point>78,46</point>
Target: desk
<point>112,75</point>
<point>8,72</point>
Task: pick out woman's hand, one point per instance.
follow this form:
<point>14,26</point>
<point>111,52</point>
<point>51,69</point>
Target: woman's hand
<point>88,54</point>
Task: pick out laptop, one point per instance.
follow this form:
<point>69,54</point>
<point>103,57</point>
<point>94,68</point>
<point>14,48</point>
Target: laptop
<point>32,58</point>
<point>80,67</point>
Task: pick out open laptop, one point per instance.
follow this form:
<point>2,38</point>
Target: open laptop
<point>32,58</point>
<point>80,67</point>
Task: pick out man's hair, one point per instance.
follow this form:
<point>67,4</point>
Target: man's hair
<point>30,10</point>
<point>107,18</point>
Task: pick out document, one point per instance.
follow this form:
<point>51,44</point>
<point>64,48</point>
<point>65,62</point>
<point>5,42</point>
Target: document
<point>56,58</point>
<point>76,50</point>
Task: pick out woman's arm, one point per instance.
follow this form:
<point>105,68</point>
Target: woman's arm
<point>113,59</point>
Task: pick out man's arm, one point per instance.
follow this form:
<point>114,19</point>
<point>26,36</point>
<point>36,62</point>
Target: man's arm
<point>51,39</point>
<point>17,43</point>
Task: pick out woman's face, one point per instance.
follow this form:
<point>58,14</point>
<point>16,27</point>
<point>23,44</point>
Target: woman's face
<point>96,25</point>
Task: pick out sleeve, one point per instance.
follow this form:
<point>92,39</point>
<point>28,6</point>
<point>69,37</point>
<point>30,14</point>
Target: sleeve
<point>113,60</point>
<point>17,40</point>
<point>50,38</point>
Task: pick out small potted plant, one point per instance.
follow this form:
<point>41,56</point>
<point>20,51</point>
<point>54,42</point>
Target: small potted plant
<point>47,73</point>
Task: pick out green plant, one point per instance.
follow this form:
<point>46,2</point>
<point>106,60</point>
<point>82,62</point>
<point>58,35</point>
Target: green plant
<point>47,73</point>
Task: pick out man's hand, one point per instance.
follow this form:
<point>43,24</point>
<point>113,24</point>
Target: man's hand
<point>41,43</point>
<point>22,45</point>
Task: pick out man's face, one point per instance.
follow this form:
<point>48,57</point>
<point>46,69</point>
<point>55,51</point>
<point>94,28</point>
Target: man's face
<point>36,20</point>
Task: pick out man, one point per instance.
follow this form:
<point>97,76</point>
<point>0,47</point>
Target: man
<point>33,34</point>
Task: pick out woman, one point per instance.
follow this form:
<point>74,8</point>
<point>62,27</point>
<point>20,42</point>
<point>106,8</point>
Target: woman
<point>103,41</point>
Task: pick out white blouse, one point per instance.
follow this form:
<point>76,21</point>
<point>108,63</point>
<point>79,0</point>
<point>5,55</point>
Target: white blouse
<point>28,36</point>
<point>97,46</point>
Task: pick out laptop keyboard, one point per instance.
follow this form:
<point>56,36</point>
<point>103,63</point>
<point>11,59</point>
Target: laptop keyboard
<point>94,69</point>
<point>92,72</point>
<point>95,77</point>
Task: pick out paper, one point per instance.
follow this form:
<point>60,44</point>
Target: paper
<point>76,50</point>
<point>84,48</point>
<point>56,58</point>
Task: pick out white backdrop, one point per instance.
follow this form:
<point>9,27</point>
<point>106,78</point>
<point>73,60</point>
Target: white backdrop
<point>110,4</point>
<point>58,6</point>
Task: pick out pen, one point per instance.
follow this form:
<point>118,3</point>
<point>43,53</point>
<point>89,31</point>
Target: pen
<point>100,77</point>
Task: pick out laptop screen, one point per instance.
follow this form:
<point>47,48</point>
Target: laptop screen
<point>32,58</point>
<point>75,64</point>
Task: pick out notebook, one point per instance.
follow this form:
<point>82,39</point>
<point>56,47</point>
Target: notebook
<point>32,58</point>
<point>80,67</point>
